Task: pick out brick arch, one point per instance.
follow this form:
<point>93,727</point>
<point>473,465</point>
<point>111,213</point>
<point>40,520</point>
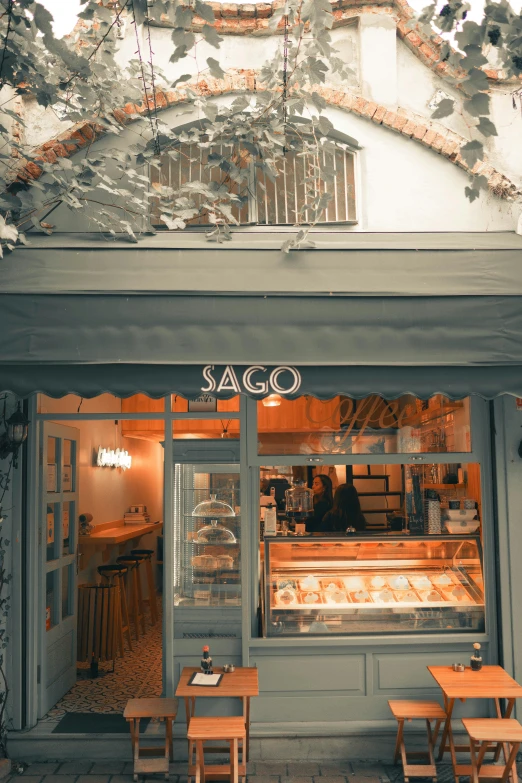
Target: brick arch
<point>254,19</point>
<point>419,129</point>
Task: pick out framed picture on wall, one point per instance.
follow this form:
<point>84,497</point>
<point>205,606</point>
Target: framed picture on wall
<point>51,477</point>
<point>67,478</point>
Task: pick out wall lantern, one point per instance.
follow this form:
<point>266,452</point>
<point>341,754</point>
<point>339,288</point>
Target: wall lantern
<point>15,434</point>
<point>272,401</point>
<point>113,458</point>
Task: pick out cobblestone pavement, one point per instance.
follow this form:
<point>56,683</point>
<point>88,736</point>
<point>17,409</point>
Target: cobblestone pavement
<point>354,771</point>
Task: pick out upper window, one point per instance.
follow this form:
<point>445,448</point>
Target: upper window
<point>258,198</point>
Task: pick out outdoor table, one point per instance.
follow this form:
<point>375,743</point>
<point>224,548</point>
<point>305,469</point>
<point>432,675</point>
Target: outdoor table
<point>491,682</point>
<point>242,683</point>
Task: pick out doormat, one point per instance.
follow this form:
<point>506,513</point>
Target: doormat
<point>96,723</point>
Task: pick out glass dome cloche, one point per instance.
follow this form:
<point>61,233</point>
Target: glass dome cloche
<point>214,533</point>
<point>210,509</point>
<point>299,501</point>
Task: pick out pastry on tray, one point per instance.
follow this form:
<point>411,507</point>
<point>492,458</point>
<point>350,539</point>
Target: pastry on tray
<point>362,597</point>
<point>286,582</point>
<point>336,597</point>
<point>310,598</point>
<point>331,585</point>
<point>377,581</point>
<point>286,597</point>
<point>459,593</point>
<point>309,583</point>
<point>443,580</point>
<point>353,583</point>
<point>420,582</point>
<point>398,582</point>
<point>433,596</point>
<point>385,596</point>
<point>407,597</point>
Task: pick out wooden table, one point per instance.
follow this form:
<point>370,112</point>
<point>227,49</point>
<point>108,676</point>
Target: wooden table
<point>491,682</point>
<point>115,534</point>
<point>243,683</point>
<point>146,760</point>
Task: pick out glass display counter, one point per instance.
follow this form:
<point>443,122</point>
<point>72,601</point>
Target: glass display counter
<point>373,584</point>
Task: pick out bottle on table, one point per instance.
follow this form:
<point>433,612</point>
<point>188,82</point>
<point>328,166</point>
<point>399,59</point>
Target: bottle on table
<point>476,658</point>
<point>206,661</point>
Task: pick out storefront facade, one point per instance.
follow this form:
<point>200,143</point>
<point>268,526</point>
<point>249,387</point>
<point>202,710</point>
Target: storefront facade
<point>403,345</point>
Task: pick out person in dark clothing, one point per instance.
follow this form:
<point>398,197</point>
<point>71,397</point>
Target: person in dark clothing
<point>323,498</point>
<point>346,511</point>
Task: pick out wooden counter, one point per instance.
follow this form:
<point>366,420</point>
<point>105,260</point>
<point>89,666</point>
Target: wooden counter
<point>114,534</point>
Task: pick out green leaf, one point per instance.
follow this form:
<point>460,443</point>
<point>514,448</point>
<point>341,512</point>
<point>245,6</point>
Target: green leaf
<point>444,108</point>
<point>486,127</point>
<point>325,126</point>
<point>210,35</point>
<point>472,152</point>
<point>182,37</point>
<point>474,57</point>
<point>204,10</point>
<point>318,101</point>
<point>183,16</point>
<point>183,78</point>
<point>478,104</point>
<point>173,223</point>
<point>210,110</point>
<point>215,68</point>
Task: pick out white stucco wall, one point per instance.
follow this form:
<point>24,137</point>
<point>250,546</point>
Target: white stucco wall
<point>403,185</point>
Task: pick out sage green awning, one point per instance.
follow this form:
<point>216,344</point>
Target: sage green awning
<point>359,314</point>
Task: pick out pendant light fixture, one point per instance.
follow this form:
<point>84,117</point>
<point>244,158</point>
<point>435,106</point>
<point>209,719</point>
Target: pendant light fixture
<point>272,401</point>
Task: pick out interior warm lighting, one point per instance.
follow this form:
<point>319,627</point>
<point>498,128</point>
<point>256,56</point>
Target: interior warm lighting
<point>272,401</point>
<point>113,458</point>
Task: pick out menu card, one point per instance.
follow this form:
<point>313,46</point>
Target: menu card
<point>212,680</point>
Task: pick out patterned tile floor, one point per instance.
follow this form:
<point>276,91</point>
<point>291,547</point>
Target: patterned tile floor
<point>136,675</point>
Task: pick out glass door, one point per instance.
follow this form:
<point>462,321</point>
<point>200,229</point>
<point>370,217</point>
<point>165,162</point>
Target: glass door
<point>58,549</point>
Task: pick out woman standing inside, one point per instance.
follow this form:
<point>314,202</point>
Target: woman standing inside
<point>323,499</point>
<point>346,511</point>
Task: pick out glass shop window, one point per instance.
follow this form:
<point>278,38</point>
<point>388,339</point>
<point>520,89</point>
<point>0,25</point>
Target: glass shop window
<point>372,425</point>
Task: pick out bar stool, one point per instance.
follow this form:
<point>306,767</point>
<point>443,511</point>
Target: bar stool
<point>116,572</point>
<point>417,710</point>
<point>133,563</point>
<point>483,731</point>
<point>231,730</point>
<point>151,587</point>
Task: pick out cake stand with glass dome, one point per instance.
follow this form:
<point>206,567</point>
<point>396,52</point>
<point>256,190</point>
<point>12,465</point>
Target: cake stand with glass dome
<point>207,546</point>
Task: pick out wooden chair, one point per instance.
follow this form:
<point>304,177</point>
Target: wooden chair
<point>506,732</point>
<point>151,586</point>
<point>133,563</point>
<point>150,760</point>
<point>231,730</point>
<point>417,710</point>
<point>115,574</point>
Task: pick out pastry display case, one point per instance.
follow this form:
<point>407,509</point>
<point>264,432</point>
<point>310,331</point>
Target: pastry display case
<point>373,584</point>
<point>207,523</point>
